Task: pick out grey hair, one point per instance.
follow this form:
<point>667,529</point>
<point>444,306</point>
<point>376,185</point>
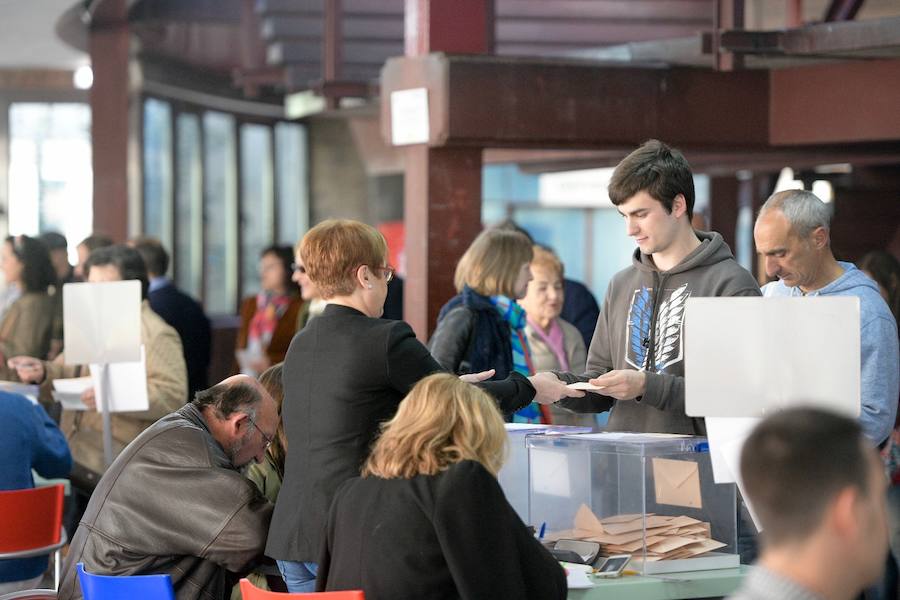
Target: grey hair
<point>804,210</point>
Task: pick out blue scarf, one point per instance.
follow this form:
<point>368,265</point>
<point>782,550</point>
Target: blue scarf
<point>514,316</point>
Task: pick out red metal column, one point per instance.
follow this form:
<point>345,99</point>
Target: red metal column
<point>109,97</point>
<point>442,186</point>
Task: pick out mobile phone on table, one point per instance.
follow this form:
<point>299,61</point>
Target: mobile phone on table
<point>612,566</point>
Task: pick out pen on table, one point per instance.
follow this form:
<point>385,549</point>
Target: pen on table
<point>542,531</point>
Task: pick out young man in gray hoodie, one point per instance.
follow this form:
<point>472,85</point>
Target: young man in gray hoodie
<point>792,233</point>
<point>636,353</point>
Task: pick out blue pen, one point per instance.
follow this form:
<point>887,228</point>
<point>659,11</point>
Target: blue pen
<point>543,530</point>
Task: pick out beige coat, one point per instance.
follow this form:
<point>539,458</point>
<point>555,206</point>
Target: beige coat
<point>166,390</point>
<point>543,359</point>
<point>27,326</point>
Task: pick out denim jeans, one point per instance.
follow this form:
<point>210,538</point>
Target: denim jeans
<point>300,577</point>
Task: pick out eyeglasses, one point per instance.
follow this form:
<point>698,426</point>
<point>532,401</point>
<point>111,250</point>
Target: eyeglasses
<point>298,268</point>
<point>388,272</point>
<point>261,432</point>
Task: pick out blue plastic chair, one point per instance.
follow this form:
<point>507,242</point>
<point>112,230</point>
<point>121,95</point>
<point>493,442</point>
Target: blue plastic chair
<point>133,587</point>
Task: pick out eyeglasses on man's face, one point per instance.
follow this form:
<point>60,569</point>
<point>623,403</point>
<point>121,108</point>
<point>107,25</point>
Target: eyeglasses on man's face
<point>261,432</point>
<point>388,272</point>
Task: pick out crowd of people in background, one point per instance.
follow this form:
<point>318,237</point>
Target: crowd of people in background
<point>347,454</point>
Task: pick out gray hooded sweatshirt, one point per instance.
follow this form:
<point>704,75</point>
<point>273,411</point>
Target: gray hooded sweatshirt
<point>641,327</point>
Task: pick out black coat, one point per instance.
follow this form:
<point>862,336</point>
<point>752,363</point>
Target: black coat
<point>344,374</point>
<point>444,536</point>
<point>186,316</point>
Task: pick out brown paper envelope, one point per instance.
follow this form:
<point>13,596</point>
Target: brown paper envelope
<point>633,547</point>
<point>701,530</point>
<point>586,519</point>
<point>623,538</point>
<point>683,521</point>
<point>677,482</point>
<point>621,518</point>
<point>661,530</point>
<point>652,522</point>
<point>671,543</point>
<point>703,546</point>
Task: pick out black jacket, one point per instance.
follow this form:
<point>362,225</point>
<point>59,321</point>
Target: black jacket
<point>450,535</point>
<point>472,337</point>
<point>186,316</point>
<point>344,374</point>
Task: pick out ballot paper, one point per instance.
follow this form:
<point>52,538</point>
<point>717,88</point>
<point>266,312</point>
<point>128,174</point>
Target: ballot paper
<point>721,430</point>
<point>666,537</point>
<point>68,392</point>
<point>127,385</point>
<point>102,322</point>
<point>584,385</point>
<point>747,357</point>
<point>677,482</point>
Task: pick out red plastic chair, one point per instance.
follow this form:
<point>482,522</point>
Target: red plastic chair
<point>31,524</point>
<point>251,592</point>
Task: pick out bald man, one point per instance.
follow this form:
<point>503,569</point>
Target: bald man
<point>174,501</point>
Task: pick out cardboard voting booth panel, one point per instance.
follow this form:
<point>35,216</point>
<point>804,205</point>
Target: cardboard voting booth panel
<point>102,322</point>
<point>746,357</point>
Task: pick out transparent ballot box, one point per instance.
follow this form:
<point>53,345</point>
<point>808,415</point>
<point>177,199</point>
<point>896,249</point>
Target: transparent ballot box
<point>648,495</point>
<point>513,476</point>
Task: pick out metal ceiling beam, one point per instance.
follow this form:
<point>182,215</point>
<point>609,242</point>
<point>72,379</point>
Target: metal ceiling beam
<point>505,102</point>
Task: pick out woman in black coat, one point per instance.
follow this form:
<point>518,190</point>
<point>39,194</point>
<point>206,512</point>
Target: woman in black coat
<point>344,374</point>
<point>427,519</point>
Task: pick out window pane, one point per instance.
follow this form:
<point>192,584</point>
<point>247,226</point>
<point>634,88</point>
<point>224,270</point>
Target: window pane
<point>257,203</point>
<point>220,213</point>
<point>158,170</point>
<point>188,248</point>
<point>50,171</point>
<point>293,182</point>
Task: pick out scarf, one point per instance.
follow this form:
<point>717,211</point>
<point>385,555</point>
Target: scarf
<point>555,341</point>
<point>514,316</point>
<point>269,309</point>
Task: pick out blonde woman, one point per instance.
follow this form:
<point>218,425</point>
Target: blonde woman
<point>483,327</point>
<point>428,519</point>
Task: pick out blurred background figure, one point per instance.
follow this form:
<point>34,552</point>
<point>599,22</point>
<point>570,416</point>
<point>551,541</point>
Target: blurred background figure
<point>178,310</point>
<point>428,518</point>
<point>269,319</point>
<point>58,247</point>
<point>313,304</point>
<point>580,308</point>
<point>884,268</point>
<point>84,249</point>
<point>554,342</point>
<point>27,324</point>
<point>483,327</point>
<point>29,439</point>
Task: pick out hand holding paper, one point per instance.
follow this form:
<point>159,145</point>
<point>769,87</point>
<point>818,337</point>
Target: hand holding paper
<point>622,384</point>
<point>549,389</point>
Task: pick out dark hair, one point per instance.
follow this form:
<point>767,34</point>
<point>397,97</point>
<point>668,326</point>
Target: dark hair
<point>154,254</point>
<point>127,260</point>
<point>54,241</point>
<point>885,270</point>
<point>228,398</point>
<point>657,169</point>
<point>97,240</point>
<point>286,255</point>
<point>795,463</point>
<point>271,379</point>
<point>37,269</point>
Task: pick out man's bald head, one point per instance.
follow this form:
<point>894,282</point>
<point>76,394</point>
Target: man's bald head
<point>235,407</point>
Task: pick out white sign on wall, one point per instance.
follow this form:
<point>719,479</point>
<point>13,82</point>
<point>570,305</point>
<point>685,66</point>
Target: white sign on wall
<point>409,117</point>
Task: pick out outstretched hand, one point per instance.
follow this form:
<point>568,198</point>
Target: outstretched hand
<point>548,388</point>
<point>28,369</point>
<point>622,384</point>
<point>477,377</point>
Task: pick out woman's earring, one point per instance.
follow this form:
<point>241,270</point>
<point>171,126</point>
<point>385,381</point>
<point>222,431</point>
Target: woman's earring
<point>370,286</point>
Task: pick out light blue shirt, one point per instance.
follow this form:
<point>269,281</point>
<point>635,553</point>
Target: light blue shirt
<point>879,348</point>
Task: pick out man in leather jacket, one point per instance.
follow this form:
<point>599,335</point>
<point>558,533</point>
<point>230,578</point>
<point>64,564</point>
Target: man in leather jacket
<point>175,502</point>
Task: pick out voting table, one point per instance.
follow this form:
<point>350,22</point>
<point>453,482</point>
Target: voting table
<point>671,586</point>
